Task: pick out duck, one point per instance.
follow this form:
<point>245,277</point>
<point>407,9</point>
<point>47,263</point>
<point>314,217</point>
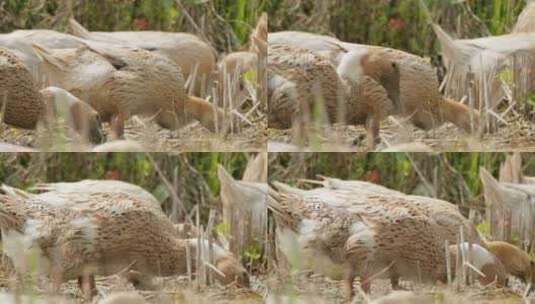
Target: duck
<point>107,233</point>
<point>347,229</point>
<point>80,117</point>
<point>385,236</point>
<point>20,97</point>
<point>119,82</point>
<point>516,261</point>
<point>25,106</point>
<point>489,265</point>
<point>20,43</point>
<point>354,195</point>
<point>354,92</point>
<point>419,100</point>
<point>195,57</point>
<point>87,186</point>
<point>72,194</point>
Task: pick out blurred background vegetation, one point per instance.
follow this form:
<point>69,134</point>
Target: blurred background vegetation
<point>400,24</point>
<point>193,176</point>
<point>225,23</point>
<point>450,176</point>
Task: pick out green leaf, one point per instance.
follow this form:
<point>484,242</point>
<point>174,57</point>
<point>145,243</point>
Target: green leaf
<point>161,193</point>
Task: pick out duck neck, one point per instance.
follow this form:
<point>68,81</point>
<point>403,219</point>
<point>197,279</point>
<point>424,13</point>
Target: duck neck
<point>203,111</point>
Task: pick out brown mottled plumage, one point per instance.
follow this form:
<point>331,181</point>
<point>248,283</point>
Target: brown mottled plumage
<point>420,98</point>
<point>377,228</point>
<point>194,56</point>
<point>379,234</point>
<point>119,82</point>
<point>19,95</point>
<point>300,79</point>
<point>314,80</point>
<point>25,105</point>
<point>103,235</point>
<point>516,261</point>
<point>353,193</point>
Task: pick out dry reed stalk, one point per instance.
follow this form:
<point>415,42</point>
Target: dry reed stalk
<point>172,190</point>
<point>458,264</point>
<point>448,262</point>
<point>211,259</point>
<point>463,256</point>
<point>198,261</point>
<point>469,262</point>
<point>188,264</point>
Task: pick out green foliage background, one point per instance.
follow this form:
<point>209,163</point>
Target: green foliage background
<point>194,175</point>
<point>454,176</point>
<point>400,24</point>
<point>226,23</point>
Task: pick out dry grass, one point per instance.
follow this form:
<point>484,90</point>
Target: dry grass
<point>170,290</point>
<point>310,288</point>
<point>193,137</point>
<point>517,135</point>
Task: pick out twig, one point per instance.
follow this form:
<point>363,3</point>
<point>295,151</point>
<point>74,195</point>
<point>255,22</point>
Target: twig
<point>191,21</point>
<point>174,194</point>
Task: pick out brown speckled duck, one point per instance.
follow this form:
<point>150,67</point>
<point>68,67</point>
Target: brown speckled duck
<point>88,186</point>
<point>25,105</point>
<point>19,95</point>
<point>120,82</point>
<point>347,229</point>
<point>356,193</point>
<point>419,98</point>
<point>362,90</point>
<point>106,234</point>
<point>384,234</point>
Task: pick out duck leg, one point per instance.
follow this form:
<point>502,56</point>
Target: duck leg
<point>348,282</point>
<point>87,284</point>
<point>372,128</point>
<point>117,125</point>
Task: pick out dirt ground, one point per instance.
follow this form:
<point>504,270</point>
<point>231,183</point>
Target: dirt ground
<point>312,288</point>
<point>304,287</point>
<point>517,135</point>
<point>193,137</point>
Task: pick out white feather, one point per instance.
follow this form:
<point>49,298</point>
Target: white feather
<point>350,66</point>
<point>480,256</point>
<point>22,250</point>
<point>364,233</point>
